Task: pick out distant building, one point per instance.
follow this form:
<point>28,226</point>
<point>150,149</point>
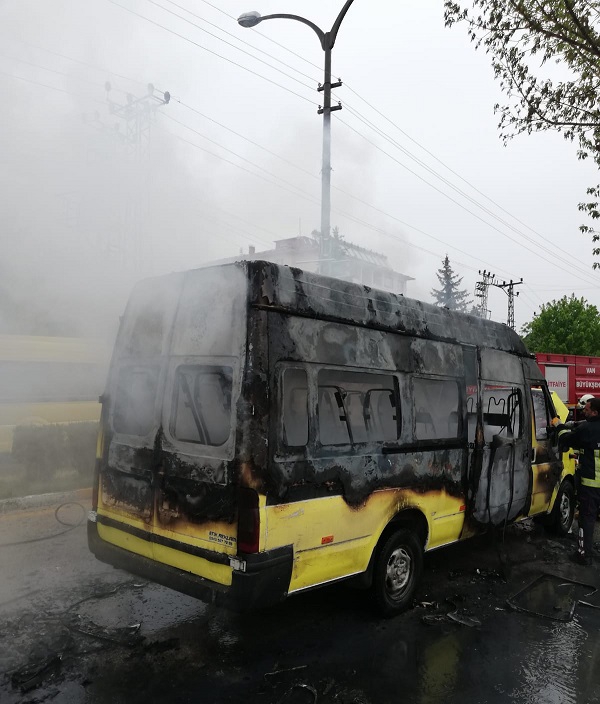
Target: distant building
<point>344,260</point>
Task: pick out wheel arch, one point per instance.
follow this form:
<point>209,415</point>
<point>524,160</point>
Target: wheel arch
<point>412,518</point>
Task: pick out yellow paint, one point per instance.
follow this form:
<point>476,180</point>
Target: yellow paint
<point>541,491</point>
<point>100,442</point>
<point>122,515</point>
<point>544,495</point>
<point>126,541</point>
<point>221,574</point>
<point>355,531</point>
<point>166,555</point>
<point>217,536</point>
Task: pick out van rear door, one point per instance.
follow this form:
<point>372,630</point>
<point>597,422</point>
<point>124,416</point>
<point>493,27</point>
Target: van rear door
<point>176,390</point>
<point>133,408</point>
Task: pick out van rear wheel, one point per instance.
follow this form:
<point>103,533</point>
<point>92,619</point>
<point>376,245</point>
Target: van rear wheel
<point>397,571</point>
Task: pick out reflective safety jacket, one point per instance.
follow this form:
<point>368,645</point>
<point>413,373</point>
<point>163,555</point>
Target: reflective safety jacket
<point>585,438</point>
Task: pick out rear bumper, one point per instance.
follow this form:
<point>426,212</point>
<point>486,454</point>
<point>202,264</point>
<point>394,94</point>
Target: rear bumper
<point>265,582</point>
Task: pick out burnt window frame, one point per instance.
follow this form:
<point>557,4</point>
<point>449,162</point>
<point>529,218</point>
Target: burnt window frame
<point>211,369</point>
<point>281,435</point>
<point>336,447</point>
<point>522,409</point>
<point>457,440</point>
<point>550,409</point>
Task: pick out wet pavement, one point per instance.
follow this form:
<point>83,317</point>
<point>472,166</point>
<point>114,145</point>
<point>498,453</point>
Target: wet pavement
<point>74,630</point>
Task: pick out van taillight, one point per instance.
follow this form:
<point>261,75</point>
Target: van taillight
<point>95,487</point>
<point>248,521</point>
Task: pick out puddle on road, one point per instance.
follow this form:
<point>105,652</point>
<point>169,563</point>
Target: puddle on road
<point>154,607</point>
<point>552,597</point>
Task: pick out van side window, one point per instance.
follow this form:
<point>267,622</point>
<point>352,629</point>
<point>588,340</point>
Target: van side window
<point>436,408</point>
<point>134,400</point>
<point>357,407</point>
<point>295,407</point>
<point>202,404</point>
<point>540,412</point>
<point>501,411</point>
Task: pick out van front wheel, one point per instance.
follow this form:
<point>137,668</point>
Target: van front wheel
<point>396,573</point>
<point>560,519</point>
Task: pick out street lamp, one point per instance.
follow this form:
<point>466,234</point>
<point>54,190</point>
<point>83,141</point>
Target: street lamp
<point>327,39</point>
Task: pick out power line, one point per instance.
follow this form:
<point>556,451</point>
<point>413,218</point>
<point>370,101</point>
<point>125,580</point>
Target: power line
<point>353,218</point>
<point>230,34</point>
<point>452,171</point>
<point>350,195</point>
<point>297,192</point>
<point>303,194</point>
<point>562,252</point>
<point>78,61</point>
<point>292,185</point>
<point>45,85</point>
<point>538,254</point>
<point>210,51</point>
<point>51,70</point>
<point>405,151</point>
<point>264,36</point>
<point>233,46</point>
<point>583,271</point>
<point>239,156</point>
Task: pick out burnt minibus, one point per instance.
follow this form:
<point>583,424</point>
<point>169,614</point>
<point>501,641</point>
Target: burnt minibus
<point>266,431</point>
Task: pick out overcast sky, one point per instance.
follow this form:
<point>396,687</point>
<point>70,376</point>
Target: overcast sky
<point>235,157</point>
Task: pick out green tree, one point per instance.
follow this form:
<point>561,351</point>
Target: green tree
<point>449,295</point>
<point>568,326</point>
<point>525,39</point>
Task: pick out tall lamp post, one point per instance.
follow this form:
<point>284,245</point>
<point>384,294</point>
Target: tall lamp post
<point>327,39</point>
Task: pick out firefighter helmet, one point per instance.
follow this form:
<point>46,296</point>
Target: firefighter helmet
<point>583,400</point>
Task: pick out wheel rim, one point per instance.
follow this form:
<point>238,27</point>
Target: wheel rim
<point>565,510</point>
<point>398,572</point>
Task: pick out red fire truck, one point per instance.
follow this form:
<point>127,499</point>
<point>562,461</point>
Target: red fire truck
<point>570,375</point>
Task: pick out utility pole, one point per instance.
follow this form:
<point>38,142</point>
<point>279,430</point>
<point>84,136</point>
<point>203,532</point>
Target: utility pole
<point>481,291</point>
<point>327,41</point>
<point>137,114</point>
<point>132,131</point>
<point>509,289</point>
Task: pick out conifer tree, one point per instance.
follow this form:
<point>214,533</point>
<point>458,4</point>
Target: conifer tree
<point>450,295</point>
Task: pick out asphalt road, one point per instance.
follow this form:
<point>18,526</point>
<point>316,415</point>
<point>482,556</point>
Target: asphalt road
<point>73,630</point>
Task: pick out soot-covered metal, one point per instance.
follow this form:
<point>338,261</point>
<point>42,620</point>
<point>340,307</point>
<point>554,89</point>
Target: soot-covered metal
<point>284,318</point>
<point>316,322</point>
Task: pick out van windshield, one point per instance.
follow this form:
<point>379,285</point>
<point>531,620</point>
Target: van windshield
<point>201,410</point>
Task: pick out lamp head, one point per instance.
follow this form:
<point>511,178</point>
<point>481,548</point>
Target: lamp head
<point>249,19</point>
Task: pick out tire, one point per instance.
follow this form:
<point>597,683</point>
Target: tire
<point>397,572</point>
<point>560,518</point>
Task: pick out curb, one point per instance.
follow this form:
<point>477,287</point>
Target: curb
<point>41,500</point>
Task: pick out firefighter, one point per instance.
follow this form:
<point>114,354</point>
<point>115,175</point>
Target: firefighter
<point>580,406</point>
<point>585,439</point>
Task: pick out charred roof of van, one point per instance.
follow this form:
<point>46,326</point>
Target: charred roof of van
<point>298,292</point>
<point>293,290</point>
